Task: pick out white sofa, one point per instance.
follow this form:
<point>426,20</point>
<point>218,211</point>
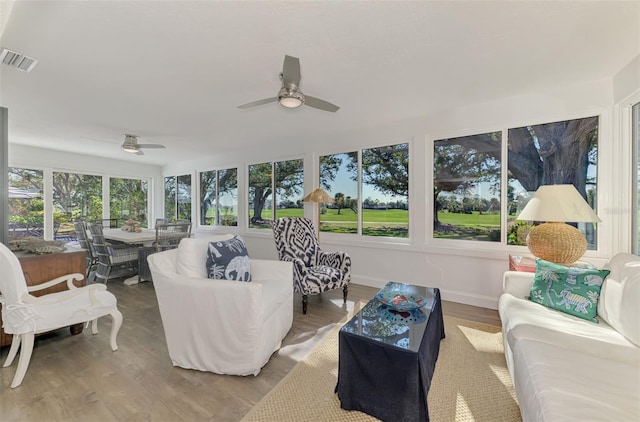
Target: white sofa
<point>222,326</point>
<point>566,368</point>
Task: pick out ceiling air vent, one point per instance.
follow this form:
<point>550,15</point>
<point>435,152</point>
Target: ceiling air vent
<point>11,58</point>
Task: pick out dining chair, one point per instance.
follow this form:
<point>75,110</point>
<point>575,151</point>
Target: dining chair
<point>86,244</point>
<point>113,262</point>
<point>24,315</point>
<point>168,236</point>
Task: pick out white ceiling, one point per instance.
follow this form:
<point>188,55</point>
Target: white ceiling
<point>173,72</point>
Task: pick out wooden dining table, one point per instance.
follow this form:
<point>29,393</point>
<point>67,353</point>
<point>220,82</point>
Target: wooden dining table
<point>145,237</point>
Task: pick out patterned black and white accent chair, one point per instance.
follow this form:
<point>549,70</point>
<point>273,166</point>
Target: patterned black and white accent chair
<point>314,271</point>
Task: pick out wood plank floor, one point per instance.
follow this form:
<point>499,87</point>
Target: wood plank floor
<point>79,378</point>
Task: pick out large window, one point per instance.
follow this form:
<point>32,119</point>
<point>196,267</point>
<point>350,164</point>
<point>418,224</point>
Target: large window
<point>128,200</point>
<point>286,179</point>
<point>382,176</point>
<point>170,197</point>
<point>219,197</point>
<point>385,189</point>
<point>76,196</point>
<point>26,210</point>
<point>551,154</point>
<point>636,178</point>
<point>467,174</point>
<point>339,177</point>
<point>466,187</point>
<point>177,197</point>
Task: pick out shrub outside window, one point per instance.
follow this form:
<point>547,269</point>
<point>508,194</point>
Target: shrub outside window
<point>128,200</point>
<point>177,197</point>
<point>26,207</point>
<point>76,196</point>
<point>170,197</point>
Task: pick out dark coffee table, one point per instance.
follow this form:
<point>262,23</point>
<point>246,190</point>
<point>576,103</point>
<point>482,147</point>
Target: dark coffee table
<point>387,358</point>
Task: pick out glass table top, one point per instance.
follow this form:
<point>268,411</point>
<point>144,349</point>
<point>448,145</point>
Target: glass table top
<point>403,329</point>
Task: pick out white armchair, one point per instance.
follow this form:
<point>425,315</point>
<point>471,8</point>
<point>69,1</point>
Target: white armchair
<point>222,326</point>
<point>24,315</point>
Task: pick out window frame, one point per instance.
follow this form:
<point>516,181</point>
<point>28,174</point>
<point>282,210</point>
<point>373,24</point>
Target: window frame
<point>199,216</point>
<point>47,179</point>
<point>359,237</point>
<point>603,181</point>
<point>176,203</point>
<point>630,122</point>
<point>272,162</point>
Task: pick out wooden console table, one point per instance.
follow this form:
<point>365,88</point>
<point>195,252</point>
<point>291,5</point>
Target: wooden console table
<point>39,269</point>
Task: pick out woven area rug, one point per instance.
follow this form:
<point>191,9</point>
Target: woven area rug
<point>471,382</point>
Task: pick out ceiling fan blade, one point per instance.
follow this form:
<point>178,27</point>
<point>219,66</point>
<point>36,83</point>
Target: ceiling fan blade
<point>291,72</point>
<point>320,104</point>
<point>151,146</point>
<point>259,102</point>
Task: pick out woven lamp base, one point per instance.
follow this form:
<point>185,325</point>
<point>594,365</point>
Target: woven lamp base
<point>557,242</point>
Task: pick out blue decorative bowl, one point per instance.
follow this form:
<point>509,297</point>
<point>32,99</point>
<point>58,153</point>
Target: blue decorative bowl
<point>400,300</point>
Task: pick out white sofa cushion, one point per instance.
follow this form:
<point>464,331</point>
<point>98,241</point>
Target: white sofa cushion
<point>522,319</point>
<point>556,384</point>
<point>619,302</point>
<point>192,255</point>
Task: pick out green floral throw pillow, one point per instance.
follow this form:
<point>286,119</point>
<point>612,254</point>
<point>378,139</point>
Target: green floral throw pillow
<point>572,290</point>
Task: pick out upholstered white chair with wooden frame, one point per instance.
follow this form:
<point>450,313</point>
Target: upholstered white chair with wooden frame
<point>24,315</point>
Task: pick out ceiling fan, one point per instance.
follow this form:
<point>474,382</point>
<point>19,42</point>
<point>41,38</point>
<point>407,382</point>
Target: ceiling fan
<point>290,95</point>
<point>132,146</point>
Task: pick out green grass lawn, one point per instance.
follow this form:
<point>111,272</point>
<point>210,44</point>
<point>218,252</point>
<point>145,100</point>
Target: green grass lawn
<point>475,219</point>
<point>474,226</point>
<point>393,223</point>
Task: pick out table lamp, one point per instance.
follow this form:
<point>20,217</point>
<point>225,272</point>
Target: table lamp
<point>554,240</point>
<point>319,196</point>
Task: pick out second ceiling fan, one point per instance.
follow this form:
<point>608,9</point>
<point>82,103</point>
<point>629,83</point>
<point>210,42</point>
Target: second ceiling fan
<point>290,95</point>
<point>132,146</point>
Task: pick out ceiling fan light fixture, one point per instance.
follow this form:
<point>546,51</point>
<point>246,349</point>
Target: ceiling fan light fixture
<point>290,99</point>
<point>130,149</point>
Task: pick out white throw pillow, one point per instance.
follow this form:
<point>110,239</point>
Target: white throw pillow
<point>192,255</point>
<point>620,296</point>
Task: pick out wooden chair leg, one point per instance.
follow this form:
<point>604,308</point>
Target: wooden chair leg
<point>345,292</point>
<point>305,300</point>
<point>23,361</point>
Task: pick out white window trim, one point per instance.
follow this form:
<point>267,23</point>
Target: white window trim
<point>604,185</point>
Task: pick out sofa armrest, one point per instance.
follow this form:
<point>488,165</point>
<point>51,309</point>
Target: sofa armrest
<point>266,269</point>
<point>517,283</point>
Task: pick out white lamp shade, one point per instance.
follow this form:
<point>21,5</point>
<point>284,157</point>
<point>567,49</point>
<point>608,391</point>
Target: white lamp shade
<point>558,203</point>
